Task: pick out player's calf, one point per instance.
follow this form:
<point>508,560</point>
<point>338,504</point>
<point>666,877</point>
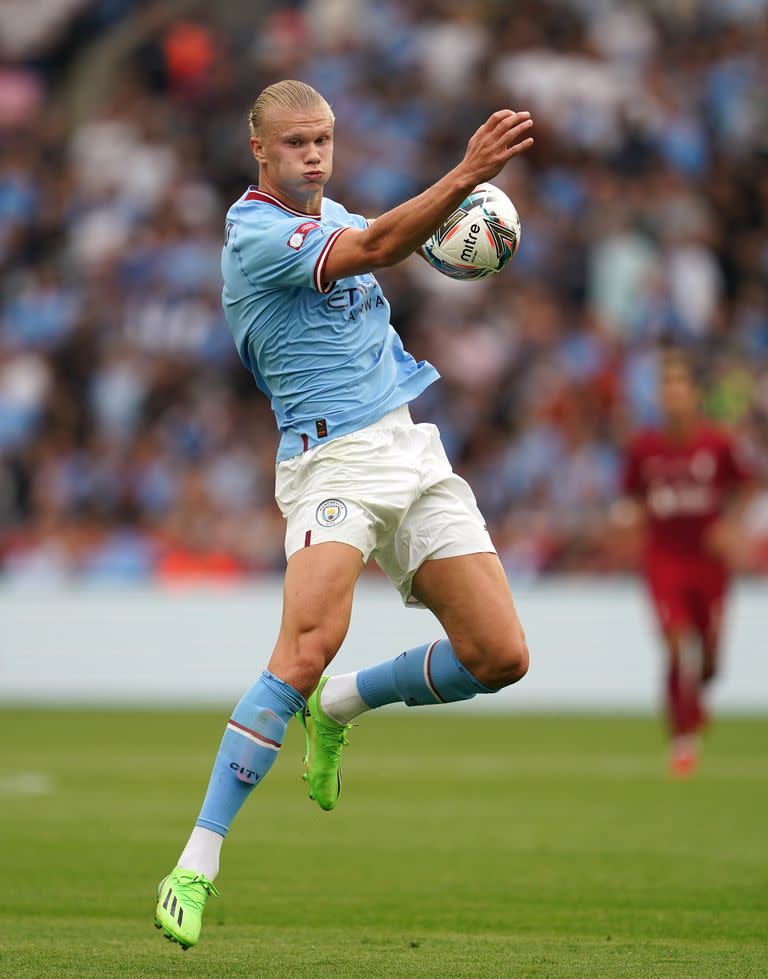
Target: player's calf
<point>303,658</point>
<point>428,674</point>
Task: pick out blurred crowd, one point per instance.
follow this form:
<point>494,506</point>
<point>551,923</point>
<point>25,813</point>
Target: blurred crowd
<point>134,445</point>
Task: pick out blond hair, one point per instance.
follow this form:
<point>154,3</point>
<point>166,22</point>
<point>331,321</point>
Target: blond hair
<point>288,95</point>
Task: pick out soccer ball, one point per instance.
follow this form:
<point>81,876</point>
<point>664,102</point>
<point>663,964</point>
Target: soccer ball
<point>478,239</point>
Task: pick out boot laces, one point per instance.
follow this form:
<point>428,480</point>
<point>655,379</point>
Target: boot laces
<point>194,889</point>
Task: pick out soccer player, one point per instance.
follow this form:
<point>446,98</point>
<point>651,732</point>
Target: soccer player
<point>686,482</point>
<point>356,478</point>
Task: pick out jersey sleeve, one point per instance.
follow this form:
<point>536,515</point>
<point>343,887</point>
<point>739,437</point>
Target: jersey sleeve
<point>283,252</point>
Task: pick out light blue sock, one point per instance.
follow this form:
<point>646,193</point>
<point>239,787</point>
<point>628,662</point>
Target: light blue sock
<point>248,749</point>
<point>428,674</point>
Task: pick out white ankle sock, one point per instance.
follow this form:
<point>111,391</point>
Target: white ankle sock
<point>201,853</point>
<point>341,700</point>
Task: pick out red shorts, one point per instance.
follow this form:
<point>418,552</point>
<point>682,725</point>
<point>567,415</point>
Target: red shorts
<point>688,593</point>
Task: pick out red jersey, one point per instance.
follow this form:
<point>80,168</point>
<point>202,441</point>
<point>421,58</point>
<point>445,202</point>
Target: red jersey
<point>684,483</point>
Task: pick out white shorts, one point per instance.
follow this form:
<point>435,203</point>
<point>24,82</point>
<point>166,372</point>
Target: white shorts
<point>388,490</point>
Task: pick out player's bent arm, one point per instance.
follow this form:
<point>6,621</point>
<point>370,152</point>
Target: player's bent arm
<point>384,243</point>
<point>625,530</point>
<point>398,233</point>
<point>728,537</point>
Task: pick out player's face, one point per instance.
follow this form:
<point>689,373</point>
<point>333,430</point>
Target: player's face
<point>295,155</point>
<point>679,397</point>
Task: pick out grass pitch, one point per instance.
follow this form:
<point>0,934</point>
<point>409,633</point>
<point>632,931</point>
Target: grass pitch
<point>527,846</point>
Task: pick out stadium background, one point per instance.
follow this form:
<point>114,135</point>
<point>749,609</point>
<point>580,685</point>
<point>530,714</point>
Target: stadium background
<point>139,540</point>
<point>133,444</point>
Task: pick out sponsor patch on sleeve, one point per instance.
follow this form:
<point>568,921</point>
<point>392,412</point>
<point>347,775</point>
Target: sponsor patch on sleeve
<point>297,238</point>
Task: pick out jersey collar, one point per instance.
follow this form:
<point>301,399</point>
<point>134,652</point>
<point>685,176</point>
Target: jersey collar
<point>254,194</point>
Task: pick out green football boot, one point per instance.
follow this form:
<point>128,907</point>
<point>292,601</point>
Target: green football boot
<point>181,898</point>
<point>325,739</point>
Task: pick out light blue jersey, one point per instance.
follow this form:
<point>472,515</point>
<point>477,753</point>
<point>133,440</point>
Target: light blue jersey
<point>326,356</point>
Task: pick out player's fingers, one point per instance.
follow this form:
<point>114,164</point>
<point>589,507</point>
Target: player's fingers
<point>510,121</point>
<point>513,134</point>
<point>500,121</point>
<point>519,148</point>
<point>497,117</point>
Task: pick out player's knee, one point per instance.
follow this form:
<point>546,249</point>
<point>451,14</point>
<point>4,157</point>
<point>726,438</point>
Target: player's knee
<point>508,662</point>
<point>497,663</point>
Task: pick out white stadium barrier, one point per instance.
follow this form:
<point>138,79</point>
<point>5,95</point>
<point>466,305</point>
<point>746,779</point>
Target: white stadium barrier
<point>593,645</point>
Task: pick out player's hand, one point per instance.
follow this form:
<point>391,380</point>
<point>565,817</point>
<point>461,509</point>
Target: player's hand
<point>726,540</point>
<point>626,514</point>
<point>625,531</point>
<point>504,135</point>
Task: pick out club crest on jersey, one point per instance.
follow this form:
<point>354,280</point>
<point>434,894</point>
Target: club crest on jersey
<point>331,512</point>
<point>297,238</point>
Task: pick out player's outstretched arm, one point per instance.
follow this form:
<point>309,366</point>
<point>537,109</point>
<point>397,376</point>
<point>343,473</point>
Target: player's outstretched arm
<point>399,232</point>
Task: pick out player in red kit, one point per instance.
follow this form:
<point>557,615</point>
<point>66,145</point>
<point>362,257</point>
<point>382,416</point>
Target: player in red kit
<point>689,484</point>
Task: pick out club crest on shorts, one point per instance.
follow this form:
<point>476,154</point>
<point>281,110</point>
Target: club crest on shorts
<point>331,512</point>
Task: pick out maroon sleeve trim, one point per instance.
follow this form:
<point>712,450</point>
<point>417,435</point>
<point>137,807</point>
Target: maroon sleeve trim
<point>322,261</point>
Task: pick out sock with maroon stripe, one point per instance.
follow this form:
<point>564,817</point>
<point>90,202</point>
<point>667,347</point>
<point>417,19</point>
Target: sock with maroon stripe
<point>248,750</point>
<point>428,674</point>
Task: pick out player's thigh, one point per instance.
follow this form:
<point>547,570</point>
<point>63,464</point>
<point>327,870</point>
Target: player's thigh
<point>471,598</point>
<point>317,604</point>
<point>667,587</point>
<point>442,522</point>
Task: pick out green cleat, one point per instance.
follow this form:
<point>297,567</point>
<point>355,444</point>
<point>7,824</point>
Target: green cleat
<point>325,739</point>
<point>181,898</point>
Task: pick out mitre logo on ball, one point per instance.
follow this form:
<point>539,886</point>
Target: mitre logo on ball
<point>478,239</point>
